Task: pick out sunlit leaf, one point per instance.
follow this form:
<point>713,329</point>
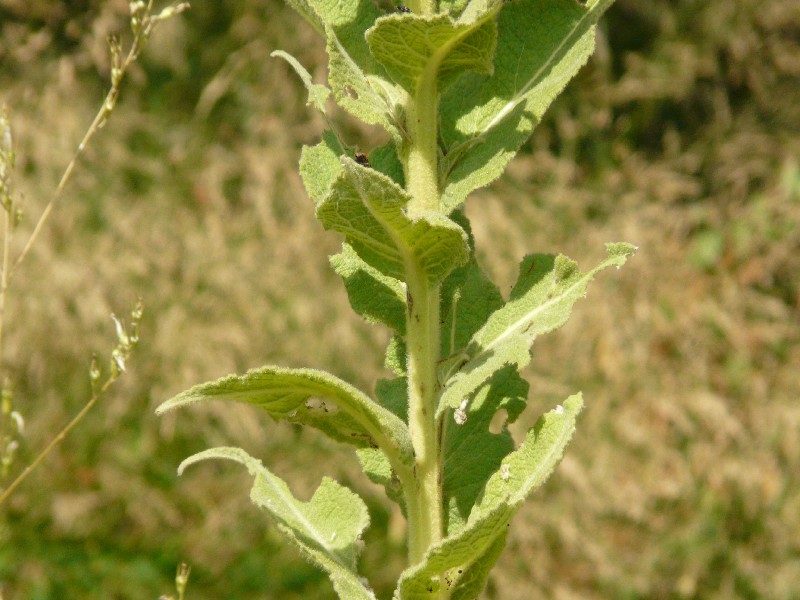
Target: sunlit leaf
<point>285,395</point>
<point>541,301</point>
<point>369,209</point>
<point>486,118</point>
<point>413,47</point>
<point>473,548</point>
<point>327,529</point>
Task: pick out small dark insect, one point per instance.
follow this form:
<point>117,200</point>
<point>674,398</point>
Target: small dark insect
<point>403,9</point>
<point>362,159</point>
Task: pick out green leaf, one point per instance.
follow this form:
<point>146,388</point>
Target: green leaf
<point>284,394</point>
<point>369,209</point>
<point>384,159</point>
<point>367,97</point>
<point>393,395</point>
<point>349,20</point>
<point>320,166</point>
<point>396,357</point>
<point>468,298</point>
<point>412,47</point>
<point>541,301</point>
<point>374,296</point>
<point>477,10</point>
<point>470,452</point>
<point>357,80</point>
<point>327,529</point>
<point>309,14</point>
<point>486,118</point>
<point>376,466</point>
<point>452,6</point>
<point>317,94</point>
<point>474,548</point>
<point>468,583</point>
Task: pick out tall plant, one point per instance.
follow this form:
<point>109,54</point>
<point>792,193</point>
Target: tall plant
<point>459,86</point>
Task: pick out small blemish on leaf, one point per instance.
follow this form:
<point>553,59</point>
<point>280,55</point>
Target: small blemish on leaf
<point>362,159</point>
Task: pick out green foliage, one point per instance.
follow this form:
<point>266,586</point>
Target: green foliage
<point>485,72</point>
<point>327,529</point>
<point>682,123</point>
<point>370,210</point>
<point>466,556</point>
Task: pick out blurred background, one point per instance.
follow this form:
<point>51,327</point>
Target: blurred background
<point>680,135</point>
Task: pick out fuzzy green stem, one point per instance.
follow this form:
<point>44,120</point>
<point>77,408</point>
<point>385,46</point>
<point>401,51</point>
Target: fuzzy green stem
<point>423,327</point>
<point>425,527</point>
<point>422,171</point>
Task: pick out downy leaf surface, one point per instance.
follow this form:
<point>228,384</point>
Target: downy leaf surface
<point>468,298</point>
<point>392,395</point>
<point>374,296</point>
<point>327,529</point>
<point>317,93</point>
<point>369,209</point>
<point>466,556</point>
<point>470,452</point>
<point>541,45</point>
<point>284,394</point>
<point>320,165</point>
<point>412,47</point>
<point>359,84</point>
<point>541,301</point>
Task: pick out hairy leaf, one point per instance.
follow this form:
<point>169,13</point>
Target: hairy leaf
<point>468,298</point>
<point>396,357</point>
<point>374,296</point>
<point>317,93</point>
<point>473,548</point>
<point>306,11</point>
<point>365,96</point>
<point>470,452</point>
<point>369,209</point>
<point>393,395</point>
<point>541,301</point>
<point>327,529</point>
<point>468,582</point>
<point>320,166</point>
<point>285,394</point>
<point>541,45</point>
<point>384,159</point>
<point>413,47</point>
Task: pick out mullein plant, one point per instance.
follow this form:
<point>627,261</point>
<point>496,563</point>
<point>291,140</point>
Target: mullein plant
<point>459,87</point>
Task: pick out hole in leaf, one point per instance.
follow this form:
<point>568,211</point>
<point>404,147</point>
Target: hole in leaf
<point>319,405</point>
<point>499,421</point>
<point>351,93</point>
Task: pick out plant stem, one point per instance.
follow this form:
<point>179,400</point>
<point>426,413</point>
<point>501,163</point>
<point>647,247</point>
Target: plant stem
<point>422,170</point>
<point>423,327</point>
<point>425,527</point>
